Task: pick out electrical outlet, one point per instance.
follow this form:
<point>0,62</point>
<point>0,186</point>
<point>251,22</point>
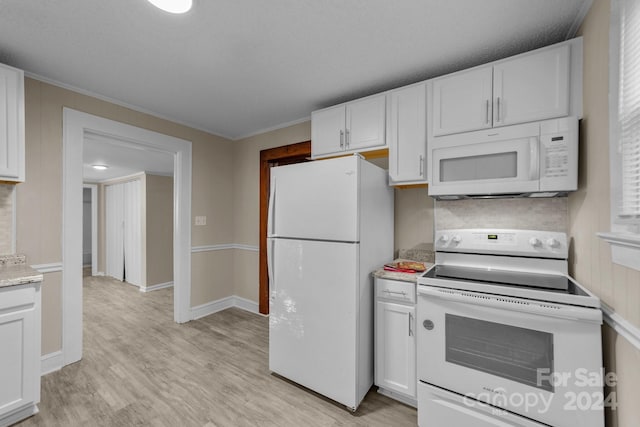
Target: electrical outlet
<point>201,220</point>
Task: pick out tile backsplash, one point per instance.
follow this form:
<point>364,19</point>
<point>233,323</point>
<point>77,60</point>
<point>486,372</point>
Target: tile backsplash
<point>6,218</point>
<point>546,214</point>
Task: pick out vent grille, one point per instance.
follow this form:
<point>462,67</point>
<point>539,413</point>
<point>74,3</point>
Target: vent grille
<point>500,299</point>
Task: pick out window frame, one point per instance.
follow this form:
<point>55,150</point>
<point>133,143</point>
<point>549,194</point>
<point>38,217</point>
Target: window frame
<point>624,236</point>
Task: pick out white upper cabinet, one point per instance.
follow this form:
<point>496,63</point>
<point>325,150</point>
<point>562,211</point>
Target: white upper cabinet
<point>462,102</point>
<point>407,135</point>
<point>538,85</point>
<point>327,130</point>
<point>11,124</point>
<point>532,87</point>
<point>355,126</point>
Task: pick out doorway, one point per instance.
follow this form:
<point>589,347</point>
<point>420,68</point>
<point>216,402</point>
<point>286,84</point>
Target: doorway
<point>76,125</point>
<point>285,155</point>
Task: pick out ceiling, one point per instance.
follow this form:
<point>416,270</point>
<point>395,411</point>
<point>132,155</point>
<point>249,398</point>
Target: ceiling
<point>122,159</point>
<point>238,67</point>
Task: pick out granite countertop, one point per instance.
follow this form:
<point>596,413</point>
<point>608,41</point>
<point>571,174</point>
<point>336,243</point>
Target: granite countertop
<point>15,271</point>
<point>381,273</point>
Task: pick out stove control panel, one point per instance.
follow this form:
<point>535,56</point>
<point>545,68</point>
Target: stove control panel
<point>535,243</point>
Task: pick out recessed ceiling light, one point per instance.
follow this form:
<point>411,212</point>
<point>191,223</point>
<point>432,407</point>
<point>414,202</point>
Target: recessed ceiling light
<point>100,167</point>
<point>173,6</point>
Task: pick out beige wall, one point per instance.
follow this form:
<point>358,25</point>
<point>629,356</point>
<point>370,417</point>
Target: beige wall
<point>39,199</point>
<point>617,286</point>
<point>159,243</point>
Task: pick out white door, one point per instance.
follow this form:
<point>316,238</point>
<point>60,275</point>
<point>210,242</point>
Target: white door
<point>407,134</point>
<point>114,219</point>
<point>327,131</point>
<point>132,232</point>
<point>315,200</point>
<point>532,87</point>
<point>396,347</point>
<point>462,102</point>
<point>366,123</point>
<point>313,310</point>
<point>11,124</point>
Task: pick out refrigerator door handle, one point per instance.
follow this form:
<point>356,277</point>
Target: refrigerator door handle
<point>270,212</point>
<point>270,272</point>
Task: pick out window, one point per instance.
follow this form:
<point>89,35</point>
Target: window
<point>624,124</point>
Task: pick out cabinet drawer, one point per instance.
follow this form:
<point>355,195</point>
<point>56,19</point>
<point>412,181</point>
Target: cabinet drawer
<point>396,290</point>
<point>16,296</point>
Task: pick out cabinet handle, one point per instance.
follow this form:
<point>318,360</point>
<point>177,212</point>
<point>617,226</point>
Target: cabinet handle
<point>348,138</point>
<point>341,139</point>
<point>498,118</point>
<point>486,112</point>
<point>421,165</point>
<point>403,293</point>
<point>410,324</point>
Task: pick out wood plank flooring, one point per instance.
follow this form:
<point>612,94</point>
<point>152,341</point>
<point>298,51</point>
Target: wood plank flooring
<point>140,368</point>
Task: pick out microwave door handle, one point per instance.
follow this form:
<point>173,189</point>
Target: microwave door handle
<point>534,157</point>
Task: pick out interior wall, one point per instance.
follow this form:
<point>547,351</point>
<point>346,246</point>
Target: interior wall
<point>159,229</point>
<point>39,199</point>
<point>589,213</point>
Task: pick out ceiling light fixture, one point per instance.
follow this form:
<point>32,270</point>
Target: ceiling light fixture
<point>100,167</point>
<point>173,6</point>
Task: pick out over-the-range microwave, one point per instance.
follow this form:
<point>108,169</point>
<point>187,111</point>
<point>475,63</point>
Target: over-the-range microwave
<point>537,159</point>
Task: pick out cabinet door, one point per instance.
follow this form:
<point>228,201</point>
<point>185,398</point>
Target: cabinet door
<point>532,87</point>
<point>327,131</point>
<point>396,347</point>
<point>462,102</point>
<point>407,134</point>
<point>18,350</point>
<point>366,123</point>
<point>11,124</point>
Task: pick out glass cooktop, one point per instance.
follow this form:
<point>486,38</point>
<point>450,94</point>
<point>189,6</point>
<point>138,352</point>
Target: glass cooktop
<point>488,276</point>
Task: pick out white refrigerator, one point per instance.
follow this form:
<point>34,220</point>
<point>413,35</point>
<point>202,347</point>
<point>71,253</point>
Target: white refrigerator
<point>330,225</point>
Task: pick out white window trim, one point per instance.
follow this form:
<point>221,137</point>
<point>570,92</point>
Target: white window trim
<point>624,236</point>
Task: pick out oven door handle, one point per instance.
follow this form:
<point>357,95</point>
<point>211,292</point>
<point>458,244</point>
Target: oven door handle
<point>498,302</point>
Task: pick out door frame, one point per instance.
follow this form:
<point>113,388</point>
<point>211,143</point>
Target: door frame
<point>288,153</point>
<point>76,125</point>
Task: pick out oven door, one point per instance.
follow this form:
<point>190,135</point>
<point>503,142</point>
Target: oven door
<point>536,359</point>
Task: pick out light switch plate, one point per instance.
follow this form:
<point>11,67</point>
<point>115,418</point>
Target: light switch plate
<point>201,220</point>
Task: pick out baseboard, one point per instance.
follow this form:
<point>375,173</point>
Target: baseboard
<point>222,304</point>
<point>51,362</point>
<point>211,307</point>
<point>19,415</point>
<point>246,304</point>
<point>100,273</point>
<point>156,287</point>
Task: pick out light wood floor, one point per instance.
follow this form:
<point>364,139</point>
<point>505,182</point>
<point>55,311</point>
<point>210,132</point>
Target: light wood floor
<point>141,368</point>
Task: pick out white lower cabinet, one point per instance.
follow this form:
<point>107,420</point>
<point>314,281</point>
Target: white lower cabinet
<point>395,340</point>
<point>19,352</point>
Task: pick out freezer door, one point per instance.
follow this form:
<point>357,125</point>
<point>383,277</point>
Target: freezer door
<point>315,200</point>
<point>312,320</point>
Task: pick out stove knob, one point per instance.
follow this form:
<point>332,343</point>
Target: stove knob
<point>444,238</point>
<point>535,242</point>
<point>553,243</point>
<point>456,239</point>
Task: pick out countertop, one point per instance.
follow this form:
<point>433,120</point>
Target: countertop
<point>381,273</point>
<point>14,271</point>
